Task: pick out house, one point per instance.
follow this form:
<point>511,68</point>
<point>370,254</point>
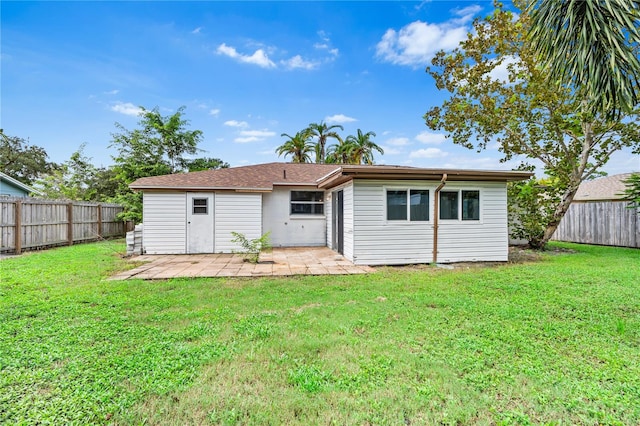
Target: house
<point>600,215</point>
<point>373,215</point>
<point>10,187</point>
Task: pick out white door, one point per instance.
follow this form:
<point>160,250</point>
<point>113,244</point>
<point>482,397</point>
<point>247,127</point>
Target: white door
<point>199,222</point>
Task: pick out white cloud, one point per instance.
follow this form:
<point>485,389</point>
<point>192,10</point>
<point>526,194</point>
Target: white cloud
<point>126,108</point>
<point>197,30</point>
<point>215,112</point>
<point>389,150</point>
<point>112,92</point>
<point>428,153</point>
<point>298,63</point>
<point>247,139</point>
<point>236,123</point>
<point>416,43</point>
<point>257,133</point>
<point>259,57</point>
<point>430,137</point>
<point>339,118</point>
<point>247,136</point>
<point>398,141</point>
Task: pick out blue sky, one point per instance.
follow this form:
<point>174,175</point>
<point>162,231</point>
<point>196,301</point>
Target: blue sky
<point>245,71</point>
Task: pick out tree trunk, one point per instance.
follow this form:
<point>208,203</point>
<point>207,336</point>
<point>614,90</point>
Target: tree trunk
<point>575,179</point>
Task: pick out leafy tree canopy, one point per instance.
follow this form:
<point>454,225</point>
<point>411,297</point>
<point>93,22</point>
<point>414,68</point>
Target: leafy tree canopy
<point>632,192</point>
<point>23,161</point>
<point>160,145</point>
<point>205,163</point>
<point>498,93</point>
<point>78,179</point>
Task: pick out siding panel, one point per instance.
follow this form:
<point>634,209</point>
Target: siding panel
<point>379,242</point>
<point>236,213</point>
<point>164,218</point>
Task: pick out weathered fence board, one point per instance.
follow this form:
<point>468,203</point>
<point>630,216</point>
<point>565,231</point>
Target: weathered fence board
<point>609,223</point>
<point>44,223</point>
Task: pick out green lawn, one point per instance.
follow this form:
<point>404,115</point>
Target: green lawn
<point>555,341</point>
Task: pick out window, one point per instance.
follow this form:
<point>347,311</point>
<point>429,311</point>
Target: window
<point>307,202</point>
<point>452,202</point>
<point>470,205</point>
<point>396,205</point>
<point>449,205</point>
<point>413,204</point>
<point>200,205</point>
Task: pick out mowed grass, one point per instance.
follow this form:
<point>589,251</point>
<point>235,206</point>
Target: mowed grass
<point>556,341</point>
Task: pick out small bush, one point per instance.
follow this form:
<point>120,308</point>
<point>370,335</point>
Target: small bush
<point>251,248</point>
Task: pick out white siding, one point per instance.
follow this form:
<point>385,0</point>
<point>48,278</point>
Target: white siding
<point>292,230</point>
<point>164,218</point>
<point>238,213</point>
<point>349,229</point>
<point>381,242</point>
<point>471,241</point>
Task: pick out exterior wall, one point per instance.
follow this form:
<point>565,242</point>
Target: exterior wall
<point>381,242</point>
<point>292,230</point>
<point>377,241</point>
<point>8,189</point>
<point>473,241</point>
<point>164,218</point>
<point>237,212</point>
<point>347,205</point>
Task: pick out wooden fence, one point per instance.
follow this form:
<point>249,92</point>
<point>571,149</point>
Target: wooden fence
<point>608,223</point>
<point>29,223</point>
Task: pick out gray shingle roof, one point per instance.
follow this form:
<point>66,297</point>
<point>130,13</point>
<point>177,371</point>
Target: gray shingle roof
<point>605,188</point>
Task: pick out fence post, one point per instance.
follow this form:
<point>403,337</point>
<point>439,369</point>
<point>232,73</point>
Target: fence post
<point>99,221</point>
<point>70,224</point>
<point>18,227</point>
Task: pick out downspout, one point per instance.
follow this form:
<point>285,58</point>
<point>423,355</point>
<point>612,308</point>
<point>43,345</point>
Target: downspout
<point>436,214</point>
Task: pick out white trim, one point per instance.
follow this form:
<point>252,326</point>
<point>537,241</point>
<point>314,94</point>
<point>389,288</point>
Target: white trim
<point>459,219</point>
<point>408,189</point>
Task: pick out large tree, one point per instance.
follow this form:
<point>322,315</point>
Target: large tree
<point>205,163</point>
<point>591,46</point>
<point>298,146</point>
<point>499,93</point>
<point>23,161</point>
<point>321,131</point>
<point>159,146</point>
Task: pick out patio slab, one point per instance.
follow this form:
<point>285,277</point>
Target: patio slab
<point>280,262</point>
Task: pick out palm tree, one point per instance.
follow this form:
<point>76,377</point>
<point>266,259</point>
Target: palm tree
<point>339,154</point>
<point>298,146</point>
<point>591,45</point>
<point>321,131</point>
<point>361,147</point>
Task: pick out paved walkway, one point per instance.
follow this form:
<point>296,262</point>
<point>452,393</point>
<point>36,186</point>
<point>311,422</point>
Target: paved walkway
<point>280,262</point>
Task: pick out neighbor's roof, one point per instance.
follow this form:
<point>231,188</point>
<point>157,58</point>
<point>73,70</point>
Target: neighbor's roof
<point>605,188</point>
<point>18,184</point>
<point>263,177</point>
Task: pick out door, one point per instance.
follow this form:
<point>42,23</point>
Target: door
<point>337,228</point>
<point>199,222</point>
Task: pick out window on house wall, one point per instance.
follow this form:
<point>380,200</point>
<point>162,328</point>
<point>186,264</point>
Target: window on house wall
<point>470,205</point>
<point>452,202</point>
<point>449,205</point>
<point>419,202</point>
<point>412,204</point>
<point>307,202</point>
<point>200,205</point>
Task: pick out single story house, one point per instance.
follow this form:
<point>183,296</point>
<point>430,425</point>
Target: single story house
<point>373,215</point>
<point>10,187</point>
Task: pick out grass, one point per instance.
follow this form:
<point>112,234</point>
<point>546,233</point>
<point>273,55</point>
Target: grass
<point>555,341</point>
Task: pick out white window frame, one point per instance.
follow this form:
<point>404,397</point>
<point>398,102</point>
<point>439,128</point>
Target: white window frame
<point>298,215</point>
<point>408,191</point>
<point>459,219</point>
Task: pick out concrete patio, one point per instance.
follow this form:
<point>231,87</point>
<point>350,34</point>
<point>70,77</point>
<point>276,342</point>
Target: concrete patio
<point>280,262</point>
